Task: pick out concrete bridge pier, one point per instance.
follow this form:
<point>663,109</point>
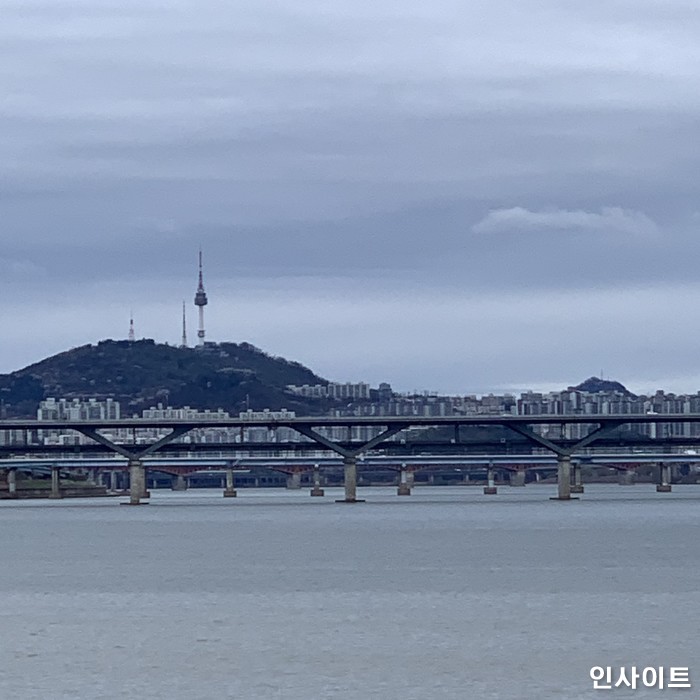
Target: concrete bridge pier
<point>350,481</point>
<point>563,479</point>
<point>517,477</point>
<point>113,481</point>
<point>55,483</point>
<point>12,482</point>
<point>664,485</point>
<point>179,483</point>
<point>316,489</point>
<point>230,490</point>
<point>137,482</point>
<point>490,488</point>
<point>577,482</point>
<point>294,481</point>
<point>404,488</point>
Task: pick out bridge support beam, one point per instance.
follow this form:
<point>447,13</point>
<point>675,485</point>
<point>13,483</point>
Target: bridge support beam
<point>404,488</point>
<point>294,481</point>
<point>577,482</point>
<point>316,490</point>
<point>114,480</point>
<point>563,478</point>
<point>517,477</point>
<point>230,490</point>
<point>350,481</point>
<point>664,485</point>
<point>490,488</point>
<point>179,483</point>
<point>55,482</point>
<point>12,482</point>
<point>137,482</point>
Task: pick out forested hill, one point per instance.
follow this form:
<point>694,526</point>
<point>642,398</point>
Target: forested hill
<point>140,374</point>
<point>594,385</point>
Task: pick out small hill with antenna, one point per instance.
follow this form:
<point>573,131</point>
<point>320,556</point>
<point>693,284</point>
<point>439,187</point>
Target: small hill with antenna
<point>140,374</point>
<point>593,385</point>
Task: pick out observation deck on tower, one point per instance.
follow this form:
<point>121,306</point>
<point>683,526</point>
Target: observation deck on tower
<point>200,298</point>
<point>200,301</point>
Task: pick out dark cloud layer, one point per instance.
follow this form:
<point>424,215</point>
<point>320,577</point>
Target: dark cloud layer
<point>454,151</point>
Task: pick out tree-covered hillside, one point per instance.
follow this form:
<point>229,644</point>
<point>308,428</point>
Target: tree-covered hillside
<point>140,374</point>
<point>594,385</point>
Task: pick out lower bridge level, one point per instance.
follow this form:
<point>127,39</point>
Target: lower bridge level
<point>135,478</point>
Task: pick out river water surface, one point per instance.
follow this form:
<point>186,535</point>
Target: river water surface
<point>444,594</point>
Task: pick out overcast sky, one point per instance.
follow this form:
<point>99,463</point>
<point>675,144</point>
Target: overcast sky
<point>459,196</point>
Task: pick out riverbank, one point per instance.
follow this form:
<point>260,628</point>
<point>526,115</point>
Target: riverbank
<point>35,488</point>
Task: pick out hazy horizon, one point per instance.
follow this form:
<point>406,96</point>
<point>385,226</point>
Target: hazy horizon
<point>514,389</point>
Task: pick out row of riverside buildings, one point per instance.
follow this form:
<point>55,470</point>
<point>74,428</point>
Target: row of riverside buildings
<point>361,400</point>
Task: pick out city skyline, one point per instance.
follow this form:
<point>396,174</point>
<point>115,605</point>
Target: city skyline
<point>375,456</point>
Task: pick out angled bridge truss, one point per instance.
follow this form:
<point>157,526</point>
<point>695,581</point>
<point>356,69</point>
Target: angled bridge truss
<point>601,427</point>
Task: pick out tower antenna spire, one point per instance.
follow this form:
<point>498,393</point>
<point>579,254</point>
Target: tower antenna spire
<point>132,335</point>
<point>200,301</point>
<point>184,326</point>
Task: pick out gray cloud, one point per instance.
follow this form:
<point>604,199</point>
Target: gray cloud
<point>610,221</point>
<point>386,146</point>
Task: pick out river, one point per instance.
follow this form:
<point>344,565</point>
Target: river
<point>444,594</point>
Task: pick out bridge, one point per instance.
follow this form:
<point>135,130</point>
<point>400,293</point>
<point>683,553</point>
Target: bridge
<point>567,453</point>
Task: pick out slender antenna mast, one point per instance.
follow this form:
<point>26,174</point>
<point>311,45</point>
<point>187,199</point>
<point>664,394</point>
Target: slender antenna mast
<point>132,335</point>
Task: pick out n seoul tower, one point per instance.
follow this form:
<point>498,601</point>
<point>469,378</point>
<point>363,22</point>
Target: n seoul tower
<point>200,300</point>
